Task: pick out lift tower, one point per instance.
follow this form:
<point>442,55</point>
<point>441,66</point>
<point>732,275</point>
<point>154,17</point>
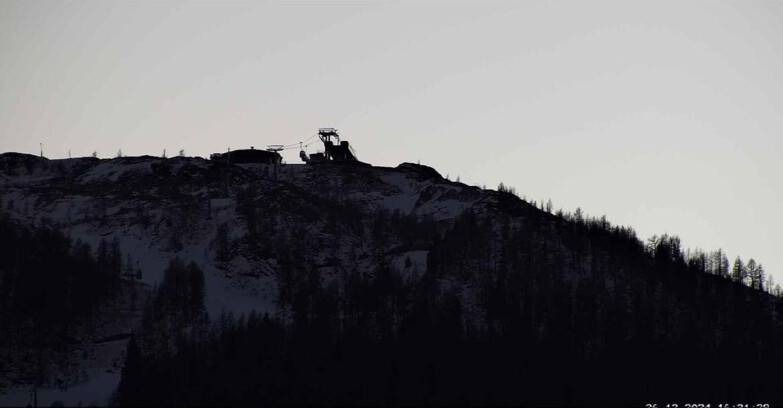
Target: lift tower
<point>275,149</point>
<point>334,148</point>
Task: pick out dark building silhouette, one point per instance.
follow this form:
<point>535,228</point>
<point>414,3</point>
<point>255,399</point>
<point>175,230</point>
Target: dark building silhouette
<point>248,156</point>
<point>334,150</point>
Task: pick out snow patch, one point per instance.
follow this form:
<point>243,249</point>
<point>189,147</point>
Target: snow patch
<point>112,171</point>
<point>405,200</point>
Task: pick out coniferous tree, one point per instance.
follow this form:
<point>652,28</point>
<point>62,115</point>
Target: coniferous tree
<point>753,273</point>
<point>720,263</point>
<point>738,271</point>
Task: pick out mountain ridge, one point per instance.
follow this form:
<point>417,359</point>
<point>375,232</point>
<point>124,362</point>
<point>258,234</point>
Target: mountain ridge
<point>279,241</point>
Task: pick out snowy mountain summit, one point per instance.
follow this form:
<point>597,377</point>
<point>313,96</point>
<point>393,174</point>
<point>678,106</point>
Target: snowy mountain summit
<point>185,281</point>
<point>188,207</point>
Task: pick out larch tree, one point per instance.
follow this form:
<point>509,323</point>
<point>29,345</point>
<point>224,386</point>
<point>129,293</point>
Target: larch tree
<point>738,272</point>
<point>753,273</point>
<point>721,263</point>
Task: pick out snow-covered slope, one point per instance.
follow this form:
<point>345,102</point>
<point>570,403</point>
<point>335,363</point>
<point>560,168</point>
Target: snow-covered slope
<point>164,208</point>
<point>159,209</point>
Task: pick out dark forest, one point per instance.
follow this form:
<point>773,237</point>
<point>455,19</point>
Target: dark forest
<point>571,311</point>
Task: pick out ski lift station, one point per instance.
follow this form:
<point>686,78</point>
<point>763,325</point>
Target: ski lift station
<point>335,150</point>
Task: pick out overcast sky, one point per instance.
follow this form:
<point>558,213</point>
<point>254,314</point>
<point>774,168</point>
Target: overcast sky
<point>666,117</point>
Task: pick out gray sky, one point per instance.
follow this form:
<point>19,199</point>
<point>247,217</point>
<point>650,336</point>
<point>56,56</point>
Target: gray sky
<point>663,116</point>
